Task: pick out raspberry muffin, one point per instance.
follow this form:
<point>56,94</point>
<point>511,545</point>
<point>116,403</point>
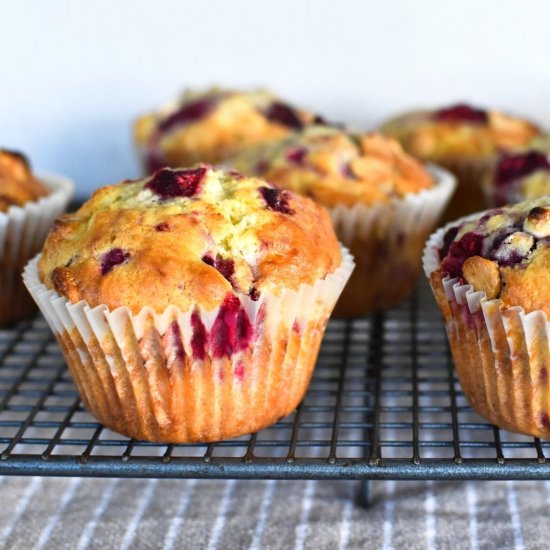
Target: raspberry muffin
<point>211,125</point>
<point>463,139</point>
<point>521,175</point>
<point>28,205</point>
<point>383,203</point>
<point>190,305</point>
<point>491,278</point>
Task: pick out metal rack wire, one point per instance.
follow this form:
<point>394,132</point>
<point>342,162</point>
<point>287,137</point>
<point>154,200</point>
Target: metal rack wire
<point>384,404</point>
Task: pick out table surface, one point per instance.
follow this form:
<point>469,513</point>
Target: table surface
<point>113,513</point>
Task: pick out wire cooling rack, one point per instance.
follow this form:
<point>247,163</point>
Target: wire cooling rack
<point>384,404</point>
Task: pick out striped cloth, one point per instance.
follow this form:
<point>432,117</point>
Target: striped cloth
<point>111,513</point>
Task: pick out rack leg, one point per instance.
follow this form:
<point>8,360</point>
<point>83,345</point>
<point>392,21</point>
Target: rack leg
<point>363,499</point>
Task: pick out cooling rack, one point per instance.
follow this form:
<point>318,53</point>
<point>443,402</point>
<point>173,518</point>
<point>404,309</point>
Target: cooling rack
<point>384,403</point>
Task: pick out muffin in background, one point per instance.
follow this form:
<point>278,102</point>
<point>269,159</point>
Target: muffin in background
<point>464,139</point>
<point>28,206</point>
<point>190,305</point>
<point>490,274</point>
<point>18,185</point>
<point>211,125</point>
<point>383,204</point>
<point>521,175</point>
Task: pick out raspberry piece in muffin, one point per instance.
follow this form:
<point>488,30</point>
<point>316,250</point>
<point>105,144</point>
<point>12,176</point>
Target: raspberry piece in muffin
<point>189,113</point>
<point>520,175</point>
<point>276,199</point>
<point>225,267</point>
<point>462,113</point>
<point>114,257</point>
<point>285,115</point>
<point>168,184</point>
<point>513,167</point>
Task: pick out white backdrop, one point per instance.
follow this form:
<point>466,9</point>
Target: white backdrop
<point>73,74</point>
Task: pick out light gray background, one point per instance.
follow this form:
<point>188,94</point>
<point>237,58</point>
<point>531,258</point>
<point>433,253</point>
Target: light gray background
<point>73,75</point>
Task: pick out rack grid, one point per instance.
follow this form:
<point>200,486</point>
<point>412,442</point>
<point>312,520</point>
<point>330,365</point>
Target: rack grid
<point>384,403</point>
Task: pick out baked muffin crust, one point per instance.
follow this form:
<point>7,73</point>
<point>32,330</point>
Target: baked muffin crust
<point>521,175</point>
<point>337,167</point>
<point>505,253</point>
<point>210,125</point>
<point>459,130</point>
<point>17,183</point>
<point>187,237</point>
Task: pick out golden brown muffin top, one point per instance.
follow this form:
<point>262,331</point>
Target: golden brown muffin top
<point>459,130</point>
<point>337,167</point>
<point>211,125</point>
<point>505,253</point>
<point>17,183</point>
<point>186,237</point>
<point>521,175</point>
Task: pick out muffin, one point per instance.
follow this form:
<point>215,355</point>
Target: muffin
<point>190,305</point>
<point>383,204</point>
<point>463,139</point>
<point>521,175</point>
<point>490,274</point>
<point>28,206</point>
<point>17,183</point>
<point>211,125</point>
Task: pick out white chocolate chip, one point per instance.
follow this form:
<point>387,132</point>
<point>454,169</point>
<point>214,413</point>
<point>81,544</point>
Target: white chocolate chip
<point>516,244</point>
<point>483,275</point>
<point>538,222</point>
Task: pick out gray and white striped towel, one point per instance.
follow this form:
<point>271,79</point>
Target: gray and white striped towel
<point>110,513</point>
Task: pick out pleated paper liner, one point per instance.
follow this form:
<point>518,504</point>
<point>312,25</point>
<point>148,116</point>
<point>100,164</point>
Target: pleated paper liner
<point>501,354</point>
<point>199,375</point>
<point>386,241</point>
<point>22,233</point>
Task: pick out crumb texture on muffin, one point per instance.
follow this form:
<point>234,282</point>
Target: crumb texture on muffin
<point>337,167</point>
<point>187,237</point>
<point>521,175</point>
<point>459,130</point>
<point>504,253</point>
<point>17,183</point>
<point>210,125</point>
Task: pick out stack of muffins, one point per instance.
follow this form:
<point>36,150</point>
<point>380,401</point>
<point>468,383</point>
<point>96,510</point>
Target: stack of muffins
<point>190,304</point>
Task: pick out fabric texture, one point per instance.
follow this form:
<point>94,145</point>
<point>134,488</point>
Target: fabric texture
<point>203,514</point>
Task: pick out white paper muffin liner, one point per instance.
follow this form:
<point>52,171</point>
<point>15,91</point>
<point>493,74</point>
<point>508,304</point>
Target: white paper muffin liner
<point>502,354</point>
<point>22,233</point>
<point>145,375</point>
<point>386,241</point>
